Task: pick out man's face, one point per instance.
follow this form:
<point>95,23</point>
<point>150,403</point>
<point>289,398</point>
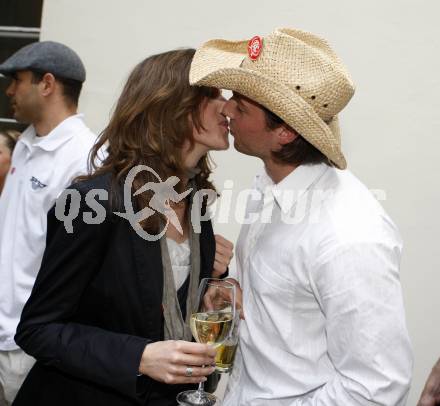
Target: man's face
<point>25,97</point>
<point>248,127</point>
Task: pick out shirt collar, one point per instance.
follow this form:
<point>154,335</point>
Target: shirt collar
<point>263,182</point>
<point>57,137</point>
<point>293,186</point>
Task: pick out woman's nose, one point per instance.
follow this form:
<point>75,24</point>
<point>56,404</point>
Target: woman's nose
<point>221,103</point>
<point>228,109</point>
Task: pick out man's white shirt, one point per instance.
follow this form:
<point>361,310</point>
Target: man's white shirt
<point>324,316</point>
<point>41,168</point>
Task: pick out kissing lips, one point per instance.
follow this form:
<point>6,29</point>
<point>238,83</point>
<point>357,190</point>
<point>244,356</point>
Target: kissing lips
<point>225,125</point>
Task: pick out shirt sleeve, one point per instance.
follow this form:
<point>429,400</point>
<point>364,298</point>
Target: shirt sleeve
<point>358,288</point>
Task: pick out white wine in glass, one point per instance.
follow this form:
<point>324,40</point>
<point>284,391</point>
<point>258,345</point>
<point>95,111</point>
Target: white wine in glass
<point>225,357</point>
<point>211,323</point>
<point>211,327</point>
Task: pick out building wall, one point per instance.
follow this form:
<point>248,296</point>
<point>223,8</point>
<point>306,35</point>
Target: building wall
<point>390,129</point>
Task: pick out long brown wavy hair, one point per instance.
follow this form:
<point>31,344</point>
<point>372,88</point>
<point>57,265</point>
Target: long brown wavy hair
<point>153,118</point>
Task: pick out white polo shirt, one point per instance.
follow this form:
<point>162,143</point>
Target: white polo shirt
<point>41,168</point>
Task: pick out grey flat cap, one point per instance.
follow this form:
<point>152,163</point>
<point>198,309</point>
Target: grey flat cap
<point>46,57</point>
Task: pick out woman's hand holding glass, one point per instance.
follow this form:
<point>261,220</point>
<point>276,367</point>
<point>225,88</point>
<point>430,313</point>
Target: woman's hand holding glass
<point>168,361</point>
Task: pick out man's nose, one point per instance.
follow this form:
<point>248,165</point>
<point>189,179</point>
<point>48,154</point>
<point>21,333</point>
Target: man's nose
<point>228,109</point>
<point>10,89</point>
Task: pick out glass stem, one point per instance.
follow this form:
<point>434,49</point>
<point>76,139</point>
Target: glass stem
<point>201,387</point>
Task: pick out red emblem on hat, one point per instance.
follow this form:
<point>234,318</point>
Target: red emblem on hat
<point>254,47</point>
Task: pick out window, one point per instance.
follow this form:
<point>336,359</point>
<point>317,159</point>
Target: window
<point>20,22</point>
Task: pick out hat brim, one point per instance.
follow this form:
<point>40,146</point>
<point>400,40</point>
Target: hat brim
<point>7,72</point>
<point>224,71</point>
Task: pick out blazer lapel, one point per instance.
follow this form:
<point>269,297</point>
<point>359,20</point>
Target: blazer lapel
<point>148,261</point>
<point>207,250</point>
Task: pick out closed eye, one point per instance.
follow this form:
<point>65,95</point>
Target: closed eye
<point>240,107</point>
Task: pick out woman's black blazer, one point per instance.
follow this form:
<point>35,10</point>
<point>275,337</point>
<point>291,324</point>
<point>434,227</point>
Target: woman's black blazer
<point>95,305</point>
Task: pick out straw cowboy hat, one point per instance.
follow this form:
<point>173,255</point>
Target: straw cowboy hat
<point>293,73</point>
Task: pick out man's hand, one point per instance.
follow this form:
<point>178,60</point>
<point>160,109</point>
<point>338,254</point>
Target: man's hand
<point>215,296</point>
<point>167,361</point>
<point>431,392</point>
<point>238,297</point>
<point>223,255</point>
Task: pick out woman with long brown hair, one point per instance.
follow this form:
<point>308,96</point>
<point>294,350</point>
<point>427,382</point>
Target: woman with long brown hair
<point>107,320</point>
<point>8,139</point>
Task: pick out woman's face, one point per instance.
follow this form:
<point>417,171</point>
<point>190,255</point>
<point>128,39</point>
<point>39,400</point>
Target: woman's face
<point>5,158</point>
<point>214,136</point>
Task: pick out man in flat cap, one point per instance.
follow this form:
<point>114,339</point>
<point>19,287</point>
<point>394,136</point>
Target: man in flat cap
<point>46,80</point>
<point>318,258</point>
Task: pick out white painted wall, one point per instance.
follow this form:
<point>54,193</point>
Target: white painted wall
<point>391,129</point>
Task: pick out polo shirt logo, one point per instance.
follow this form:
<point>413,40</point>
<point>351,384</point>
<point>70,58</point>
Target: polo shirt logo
<point>36,184</point>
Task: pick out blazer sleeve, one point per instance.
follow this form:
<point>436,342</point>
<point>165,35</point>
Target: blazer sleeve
<point>47,330</point>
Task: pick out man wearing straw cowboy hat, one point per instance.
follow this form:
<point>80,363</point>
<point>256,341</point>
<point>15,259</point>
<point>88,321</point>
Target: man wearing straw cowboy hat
<point>318,261</point>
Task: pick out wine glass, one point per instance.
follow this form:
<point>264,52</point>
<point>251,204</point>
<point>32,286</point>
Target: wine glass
<point>224,360</point>
<point>211,323</point>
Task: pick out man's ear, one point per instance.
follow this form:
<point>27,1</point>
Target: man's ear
<point>286,135</point>
<point>47,84</point>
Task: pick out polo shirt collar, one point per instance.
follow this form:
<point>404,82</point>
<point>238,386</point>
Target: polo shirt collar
<point>62,133</point>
